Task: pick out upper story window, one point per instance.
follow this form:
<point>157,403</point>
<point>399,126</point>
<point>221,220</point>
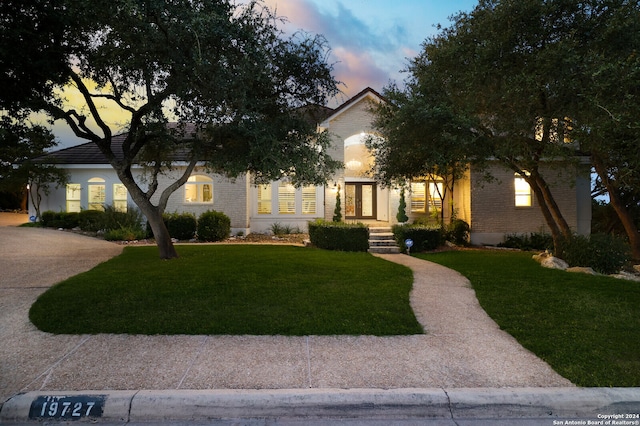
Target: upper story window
<point>523,196</point>
<point>199,189</point>
<point>97,194</point>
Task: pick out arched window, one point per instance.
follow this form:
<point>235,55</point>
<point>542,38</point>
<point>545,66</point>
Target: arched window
<point>199,189</point>
<point>97,194</point>
<point>357,158</point>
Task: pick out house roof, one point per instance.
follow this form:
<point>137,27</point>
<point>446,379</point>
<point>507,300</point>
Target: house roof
<point>89,153</point>
<point>366,93</point>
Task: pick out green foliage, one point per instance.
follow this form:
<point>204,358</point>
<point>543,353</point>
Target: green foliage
<point>605,253</point>
<point>532,241</point>
<point>124,233</point>
<point>424,237</point>
<point>401,216</point>
<point>279,229</point>
<point>240,89</point>
<point>51,219</point>
<point>92,220</point>
<point>237,290</point>
<point>213,226</point>
<point>587,328</point>
<point>337,212</point>
<point>339,235</point>
<point>181,226</point>
<point>458,232</point>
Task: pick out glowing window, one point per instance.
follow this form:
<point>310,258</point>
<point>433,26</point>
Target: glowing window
<point>74,192</point>
<point>418,197</point>
<point>309,200</point>
<point>286,198</point>
<point>97,194</point>
<point>199,189</point>
<point>522,192</point>
<point>436,192</point>
<point>264,199</point>
<point>120,197</point>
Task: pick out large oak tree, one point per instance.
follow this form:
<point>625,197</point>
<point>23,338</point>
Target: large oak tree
<point>229,82</point>
<point>510,81</point>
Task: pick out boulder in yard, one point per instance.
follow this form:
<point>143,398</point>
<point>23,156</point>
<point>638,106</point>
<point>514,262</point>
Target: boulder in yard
<point>582,269</point>
<point>554,263</point>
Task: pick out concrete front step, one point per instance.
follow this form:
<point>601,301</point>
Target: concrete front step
<point>381,241</point>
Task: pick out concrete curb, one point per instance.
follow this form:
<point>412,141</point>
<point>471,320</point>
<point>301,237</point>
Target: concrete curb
<point>436,404</point>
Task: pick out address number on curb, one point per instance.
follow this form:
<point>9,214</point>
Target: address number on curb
<point>67,407</point>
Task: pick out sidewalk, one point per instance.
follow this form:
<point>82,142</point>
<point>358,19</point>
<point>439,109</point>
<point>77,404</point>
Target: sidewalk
<point>462,347</point>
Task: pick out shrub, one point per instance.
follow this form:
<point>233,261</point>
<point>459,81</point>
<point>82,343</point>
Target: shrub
<point>213,226</point>
<point>181,226</point>
<point>532,241</point>
<point>278,229</point>
<point>124,234</point>
<point>339,235</point>
<point>115,219</point>
<point>458,232</point>
<point>604,253</point>
<point>424,237</point>
<point>92,220</point>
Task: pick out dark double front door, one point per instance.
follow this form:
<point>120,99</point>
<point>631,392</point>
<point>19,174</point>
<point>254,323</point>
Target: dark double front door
<point>360,200</point>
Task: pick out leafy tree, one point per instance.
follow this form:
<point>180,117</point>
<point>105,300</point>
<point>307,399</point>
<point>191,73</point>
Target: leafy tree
<point>232,85</point>
<point>20,145</point>
<point>505,82</point>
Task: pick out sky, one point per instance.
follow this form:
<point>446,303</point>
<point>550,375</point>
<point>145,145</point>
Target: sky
<point>371,41</point>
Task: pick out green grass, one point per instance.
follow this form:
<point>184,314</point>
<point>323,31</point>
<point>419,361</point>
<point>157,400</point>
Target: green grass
<point>228,289</point>
<point>586,327</point>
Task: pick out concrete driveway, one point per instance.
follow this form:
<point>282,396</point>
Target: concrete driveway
<point>462,347</point>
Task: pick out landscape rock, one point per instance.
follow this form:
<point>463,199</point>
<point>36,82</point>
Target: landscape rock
<point>636,268</point>
<point>582,269</point>
<point>541,256</point>
<point>626,276</point>
<point>554,263</point>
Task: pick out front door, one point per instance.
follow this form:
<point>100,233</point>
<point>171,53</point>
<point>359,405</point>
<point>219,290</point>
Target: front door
<point>360,200</point>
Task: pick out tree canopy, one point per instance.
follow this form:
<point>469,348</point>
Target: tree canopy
<point>517,81</point>
<point>215,82</point>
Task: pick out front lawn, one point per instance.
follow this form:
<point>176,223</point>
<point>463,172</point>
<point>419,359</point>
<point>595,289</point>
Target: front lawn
<point>233,289</point>
<point>587,328</point>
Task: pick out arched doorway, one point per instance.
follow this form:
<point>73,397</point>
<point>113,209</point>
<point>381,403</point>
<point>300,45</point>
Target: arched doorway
<point>360,188</point>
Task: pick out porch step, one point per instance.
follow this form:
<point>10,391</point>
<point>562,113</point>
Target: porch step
<point>381,241</point>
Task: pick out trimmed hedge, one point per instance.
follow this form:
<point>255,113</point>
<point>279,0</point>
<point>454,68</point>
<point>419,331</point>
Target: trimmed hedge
<point>181,226</point>
<point>213,226</point>
<point>339,236</point>
<point>424,237</point>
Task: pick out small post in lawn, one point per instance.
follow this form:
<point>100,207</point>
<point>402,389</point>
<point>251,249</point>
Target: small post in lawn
<point>408,243</point>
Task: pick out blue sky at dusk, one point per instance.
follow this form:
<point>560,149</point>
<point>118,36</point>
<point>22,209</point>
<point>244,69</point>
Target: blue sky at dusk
<point>371,41</point>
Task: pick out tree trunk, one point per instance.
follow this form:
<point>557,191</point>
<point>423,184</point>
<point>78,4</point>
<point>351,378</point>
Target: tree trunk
<point>556,233</point>
<point>551,204</point>
<point>621,210</point>
<point>161,235</point>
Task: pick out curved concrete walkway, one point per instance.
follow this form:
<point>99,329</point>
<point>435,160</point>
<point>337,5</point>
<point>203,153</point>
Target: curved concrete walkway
<point>462,347</point>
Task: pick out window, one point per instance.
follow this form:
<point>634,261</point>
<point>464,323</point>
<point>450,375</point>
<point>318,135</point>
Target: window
<point>74,192</point>
<point>97,191</point>
<point>309,200</point>
<point>436,191</point>
<point>199,189</point>
<point>286,198</point>
<point>119,197</point>
<point>522,191</point>
<point>264,199</point>
<point>418,197</point>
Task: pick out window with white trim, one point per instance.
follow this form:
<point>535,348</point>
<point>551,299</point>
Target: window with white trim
<point>286,198</point>
<point>97,193</point>
<point>309,200</point>
<point>418,197</point>
<point>120,197</point>
<point>199,189</point>
<point>264,199</point>
<point>74,194</point>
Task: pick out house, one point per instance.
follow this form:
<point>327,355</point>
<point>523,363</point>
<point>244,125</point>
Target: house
<point>492,209</point>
